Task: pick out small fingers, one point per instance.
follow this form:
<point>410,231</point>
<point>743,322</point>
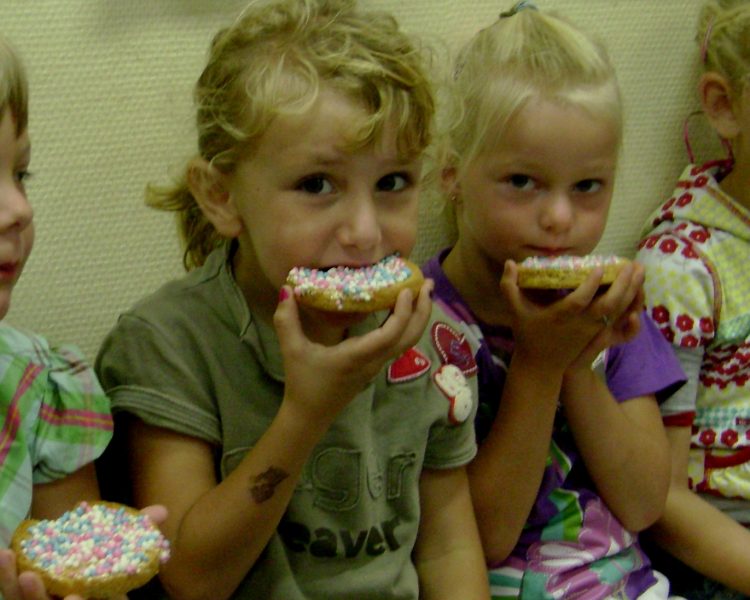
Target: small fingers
<point>405,325</point>
<point>286,319</point>
<point>156,512</point>
<point>32,587</point>
<point>624,296</point>
<point>8,577</point>
<point>584,294</point>
<point>419,317</point>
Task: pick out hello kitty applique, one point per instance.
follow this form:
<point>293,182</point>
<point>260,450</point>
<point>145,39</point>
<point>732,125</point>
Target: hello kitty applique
<point>452,382</point>
<point>457,365</point>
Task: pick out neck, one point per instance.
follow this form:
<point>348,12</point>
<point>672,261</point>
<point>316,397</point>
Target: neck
<point>737,183</point>
<point>262,298</point>
<point>477,279</point>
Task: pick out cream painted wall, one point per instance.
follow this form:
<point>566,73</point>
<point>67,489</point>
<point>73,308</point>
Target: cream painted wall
<point>111,111</point>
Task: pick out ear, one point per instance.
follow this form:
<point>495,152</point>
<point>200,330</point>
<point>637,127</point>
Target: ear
<point>718,104</point>
<point>450,185</point>
<point>209,188</point>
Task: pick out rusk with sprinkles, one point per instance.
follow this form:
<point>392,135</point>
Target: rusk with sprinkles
<point>96,550</point>
<point>566,272</point>
<point>358,290</point>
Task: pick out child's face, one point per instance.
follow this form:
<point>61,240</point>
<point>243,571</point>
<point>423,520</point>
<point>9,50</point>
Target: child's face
<point>543,189</point>
<point>16,226</point>
<point>306,198</point>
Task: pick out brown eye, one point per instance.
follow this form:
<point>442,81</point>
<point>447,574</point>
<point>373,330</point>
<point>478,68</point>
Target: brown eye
<point>588,186</point>
<point>393,182</point>
<point>316,185</point>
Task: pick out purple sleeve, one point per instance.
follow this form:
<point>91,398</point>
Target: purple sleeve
<point>643,366</point>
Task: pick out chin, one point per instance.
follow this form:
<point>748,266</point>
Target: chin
<point>4,305</point>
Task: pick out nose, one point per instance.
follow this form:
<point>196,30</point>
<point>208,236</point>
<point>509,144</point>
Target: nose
<point>15,211</point>
<point>360,226</point>
<point>556,215</point>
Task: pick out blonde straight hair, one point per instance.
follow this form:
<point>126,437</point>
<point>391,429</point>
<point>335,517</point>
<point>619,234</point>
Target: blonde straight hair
<point>526,54</point>
<point>14,89</point>
<point>723,35</point>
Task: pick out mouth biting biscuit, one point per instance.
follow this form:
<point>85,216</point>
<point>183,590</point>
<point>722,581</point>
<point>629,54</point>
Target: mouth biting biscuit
<point>355,290</point>
<point>566,272</point>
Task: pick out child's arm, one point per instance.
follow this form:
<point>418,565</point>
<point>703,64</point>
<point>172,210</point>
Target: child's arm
<point>547,340</point>
<point>448,554</point>
<point>697,533</point>
<point>623,445</point>
<point>218,530</point>
<point>50,500</point>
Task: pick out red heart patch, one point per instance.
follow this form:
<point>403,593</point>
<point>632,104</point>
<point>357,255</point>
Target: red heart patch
<point>453,348</point>
<point>410,365</point>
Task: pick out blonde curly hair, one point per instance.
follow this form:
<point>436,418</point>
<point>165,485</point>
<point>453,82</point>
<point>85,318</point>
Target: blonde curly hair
<point>273,61</point>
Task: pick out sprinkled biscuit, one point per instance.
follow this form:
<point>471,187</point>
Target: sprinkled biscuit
<point>348,289</point>
<point>566,272</point>
<point>96,550</point>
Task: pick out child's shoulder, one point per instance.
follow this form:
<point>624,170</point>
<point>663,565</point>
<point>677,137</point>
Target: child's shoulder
<point>16,342</point>
<point>204,288</point>
<point>59,374</point>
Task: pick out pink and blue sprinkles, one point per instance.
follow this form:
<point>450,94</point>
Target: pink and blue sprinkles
<point>94,541</point>
<point>350,283</point>
<point>566,263</point>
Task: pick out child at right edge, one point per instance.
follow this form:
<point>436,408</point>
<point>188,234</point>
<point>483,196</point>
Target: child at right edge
<point>696,250</point>
<point>573,459</point>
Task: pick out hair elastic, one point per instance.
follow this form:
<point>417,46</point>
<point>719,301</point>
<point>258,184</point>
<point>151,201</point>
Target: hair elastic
<point>707,40</point>
<point>518,7</point>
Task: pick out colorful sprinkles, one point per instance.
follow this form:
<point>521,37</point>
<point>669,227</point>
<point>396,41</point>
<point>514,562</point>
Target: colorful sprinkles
<point>566,263</point>
<point>350,283</point>
<point>94,541</point>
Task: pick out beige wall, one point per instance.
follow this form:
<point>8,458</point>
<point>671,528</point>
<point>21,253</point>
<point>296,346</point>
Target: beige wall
<point>111,111</point>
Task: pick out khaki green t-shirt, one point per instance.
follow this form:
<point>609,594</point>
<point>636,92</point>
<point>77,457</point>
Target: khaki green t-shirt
<point>192,358</point>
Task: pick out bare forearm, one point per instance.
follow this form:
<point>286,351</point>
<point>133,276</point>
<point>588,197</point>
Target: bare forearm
<point>506,474</point>
<point>50,500</point>
<point>704,538</point>
<point>455,575</point>
<point>621,443</point>
<point>448,553</point>
<point>221,535</point>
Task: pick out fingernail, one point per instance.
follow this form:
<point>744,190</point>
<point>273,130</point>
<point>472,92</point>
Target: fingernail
<point>283,294</point>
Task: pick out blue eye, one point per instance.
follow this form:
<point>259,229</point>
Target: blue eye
<point>588,186</point>
<point>316,184</point>
<point>393,182</point>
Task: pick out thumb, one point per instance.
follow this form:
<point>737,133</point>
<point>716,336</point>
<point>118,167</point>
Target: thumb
<point>156,512</point>
<point>286,318</point>
<point>509,282</point>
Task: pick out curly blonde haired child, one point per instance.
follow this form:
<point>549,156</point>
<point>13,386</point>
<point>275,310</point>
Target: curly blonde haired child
<point>301,454</point>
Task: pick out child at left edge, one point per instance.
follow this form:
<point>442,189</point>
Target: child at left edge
<point>54,417</point>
